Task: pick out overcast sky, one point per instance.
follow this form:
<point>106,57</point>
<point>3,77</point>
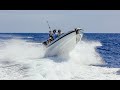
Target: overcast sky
<point>34,21</point>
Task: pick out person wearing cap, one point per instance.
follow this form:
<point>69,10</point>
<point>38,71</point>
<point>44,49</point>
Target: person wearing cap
<point>54,34</point>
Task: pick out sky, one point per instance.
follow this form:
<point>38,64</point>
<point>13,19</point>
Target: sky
<point>35,21</point>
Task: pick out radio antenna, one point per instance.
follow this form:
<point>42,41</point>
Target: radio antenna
<point>49,26</point>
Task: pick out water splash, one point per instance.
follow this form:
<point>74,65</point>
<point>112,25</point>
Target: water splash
<point>24,60</point>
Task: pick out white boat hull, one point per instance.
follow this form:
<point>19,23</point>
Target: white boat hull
<point>63,45</point>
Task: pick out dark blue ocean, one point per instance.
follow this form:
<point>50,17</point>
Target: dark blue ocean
<point>109,51</point>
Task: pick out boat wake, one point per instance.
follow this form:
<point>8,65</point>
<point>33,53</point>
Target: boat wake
<point>24,60</point>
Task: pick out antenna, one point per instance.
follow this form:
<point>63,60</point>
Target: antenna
<point>49,26</point>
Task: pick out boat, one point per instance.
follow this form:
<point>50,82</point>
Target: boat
<point>64,43</point>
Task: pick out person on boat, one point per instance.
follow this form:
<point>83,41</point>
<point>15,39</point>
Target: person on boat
<point>50,37</point>
<point>59,33</point>
<point>54,34</point>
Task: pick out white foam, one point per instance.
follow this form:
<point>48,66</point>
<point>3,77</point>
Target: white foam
<point>18,49</point>
<point>23,60</point>
<point>85,53</point>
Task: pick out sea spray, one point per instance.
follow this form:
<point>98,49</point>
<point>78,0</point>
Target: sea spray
<point>25,60</point>
<point>19,50</point>
<point>85,53</point>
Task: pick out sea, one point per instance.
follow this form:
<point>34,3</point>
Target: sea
<point>96,57</point>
